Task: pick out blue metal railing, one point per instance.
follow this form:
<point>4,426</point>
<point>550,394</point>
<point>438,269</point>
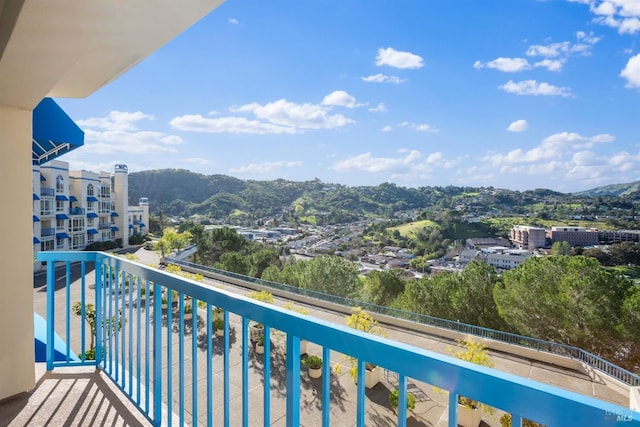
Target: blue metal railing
<point>44,191</point>
<point>575,353</point>
<point>153,355</point>
<point>76,211</point>
<point>48,231</point>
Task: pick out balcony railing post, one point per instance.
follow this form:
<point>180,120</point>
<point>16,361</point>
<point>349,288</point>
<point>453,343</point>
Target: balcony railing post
<point>293,380</point>
<point>157,355</point>
<point>51,283</point>
<point>453,409</point>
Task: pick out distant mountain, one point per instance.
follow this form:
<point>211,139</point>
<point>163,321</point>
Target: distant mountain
<point>612,190</point>
<point>179,192</point>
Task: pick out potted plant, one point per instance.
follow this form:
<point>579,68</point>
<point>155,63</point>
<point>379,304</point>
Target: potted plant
<point>469,410</point>
<point>507,421</point>
<point>314,363</point>
<point>218,325</point>
<point>188,311</point>
<point>393,400</point>
<point>260,345</point>
<point>165,302</point>
<point>256,331</point>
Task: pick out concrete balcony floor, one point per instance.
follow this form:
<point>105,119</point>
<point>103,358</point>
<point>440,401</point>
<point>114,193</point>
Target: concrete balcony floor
<point>71,397</point>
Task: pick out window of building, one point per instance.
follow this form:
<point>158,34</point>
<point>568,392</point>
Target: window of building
<point>91,206</point>
<point>59,184</point>
<point>77,224</point>
<point>113,206</point>
<point>60,225</point>
<point>90,222</point>
<point>60,243</point>
<point>46,207</point>
<point>78,241</point>
<point>105,207</point>
<point>59,206</point>
<point>46,245</point>
<point>90,190</point>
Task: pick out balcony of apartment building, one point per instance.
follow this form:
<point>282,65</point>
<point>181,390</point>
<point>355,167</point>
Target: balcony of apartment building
<point>163,364</point>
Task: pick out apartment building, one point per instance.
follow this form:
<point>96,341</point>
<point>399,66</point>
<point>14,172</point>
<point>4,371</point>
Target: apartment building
<point>73,209</point>
<point>576,236</point>
<point>527,237</point>
<point>504,258</point>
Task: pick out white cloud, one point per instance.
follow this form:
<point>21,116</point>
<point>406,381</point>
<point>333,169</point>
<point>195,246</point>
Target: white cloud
<point>265,168</point>
<point>622,15</point>
<point>119,131</point>
<point>379,108</point>
<point>366,162</point>
<point>387,129</point>
<point>631,72</point>
<point>298,116</point>
<point>552,148</point>
<point>340,98</point>
<point>398,59</point>
<point>422,127</point>
<point>382,78</point>
<point>532,87</point>
<point>518,126</point>
<point>508,65</point>
<point>279,117</point>
<point>116,121</point>
<point>233,21</point>
<point>197,123</point>
<point>550,64</point>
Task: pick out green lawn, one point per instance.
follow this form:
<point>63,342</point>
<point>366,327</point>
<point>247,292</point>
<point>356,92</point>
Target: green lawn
<point>411,228</point>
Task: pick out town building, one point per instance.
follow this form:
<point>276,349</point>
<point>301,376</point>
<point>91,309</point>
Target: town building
<point>527,237</point>
<point>504,258</point>
<point>73,209</point>
<point>575,236</point>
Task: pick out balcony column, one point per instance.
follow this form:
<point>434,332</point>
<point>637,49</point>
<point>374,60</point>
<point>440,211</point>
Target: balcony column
<point>16,253</point>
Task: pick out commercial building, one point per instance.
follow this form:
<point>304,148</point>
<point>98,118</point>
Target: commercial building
<point>575,236</point>
<point>527,237</point>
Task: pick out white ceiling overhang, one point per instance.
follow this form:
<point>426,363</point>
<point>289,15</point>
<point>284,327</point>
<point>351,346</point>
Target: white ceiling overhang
<point>71,48</point>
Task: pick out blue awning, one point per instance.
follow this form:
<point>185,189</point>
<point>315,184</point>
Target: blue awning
<point>42,178</point>
<point>92,199</point>
<point>130,226</point>
<point>142,225</point>
<point>62,197</point>
<point>35,197</point>
<point>114,214</point>
<point>35,241</point>
<point>73,198</point>
<point>92,215</point>
<point>62,236</point>
<point>114,228</point>
<point>62,216</point>
<point>53,132</point>
<point>36,219</point>
<point>92,231</point>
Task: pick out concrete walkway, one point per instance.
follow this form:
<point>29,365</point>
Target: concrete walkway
<point>430,405</point>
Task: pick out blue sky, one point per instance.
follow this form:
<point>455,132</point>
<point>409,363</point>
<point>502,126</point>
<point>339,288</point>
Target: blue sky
<point>516,94</point>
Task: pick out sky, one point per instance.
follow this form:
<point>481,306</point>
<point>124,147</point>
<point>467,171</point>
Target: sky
<point>515,94</point>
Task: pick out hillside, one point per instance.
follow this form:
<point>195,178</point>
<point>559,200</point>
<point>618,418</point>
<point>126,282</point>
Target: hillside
<point>179,192</point>
<point>612,190</point>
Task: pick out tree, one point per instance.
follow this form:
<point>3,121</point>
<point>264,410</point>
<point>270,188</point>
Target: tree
<point>331,275</point>
<point>571,300</point>
<point>561,248</point>
<point>234,262</point>
<point>382,287</point>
